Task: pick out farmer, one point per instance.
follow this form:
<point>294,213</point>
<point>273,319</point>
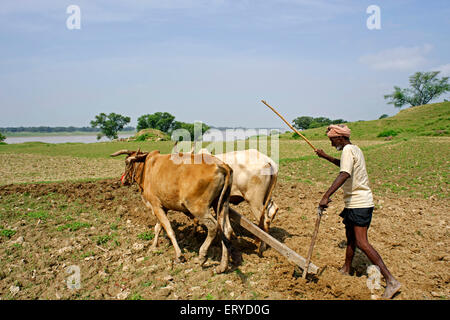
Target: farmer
<point>358,201</point>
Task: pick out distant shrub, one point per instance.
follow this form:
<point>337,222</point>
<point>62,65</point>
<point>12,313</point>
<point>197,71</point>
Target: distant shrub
<point>383,116</point>
<point>151,135</point>
<point>2,137</point>
<point>387,133</point>
<point>143,137</point>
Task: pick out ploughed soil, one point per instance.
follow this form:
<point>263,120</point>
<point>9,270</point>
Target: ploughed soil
<point>102,228</point>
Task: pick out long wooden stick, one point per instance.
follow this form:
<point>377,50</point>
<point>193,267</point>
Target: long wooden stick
<point>313,241</point>
<point>290,254</point>
<point>290,126</point>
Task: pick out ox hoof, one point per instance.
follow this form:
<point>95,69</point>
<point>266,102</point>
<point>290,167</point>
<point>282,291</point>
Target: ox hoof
<point>180,259</point>
<point>220,269</point>
<point>262,248</point>
<point>153,249</point>
<point>201,260</point>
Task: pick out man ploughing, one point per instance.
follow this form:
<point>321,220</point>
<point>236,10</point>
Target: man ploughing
<point>358,200</point>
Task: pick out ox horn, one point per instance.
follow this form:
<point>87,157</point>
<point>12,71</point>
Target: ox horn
<point>118,153</point>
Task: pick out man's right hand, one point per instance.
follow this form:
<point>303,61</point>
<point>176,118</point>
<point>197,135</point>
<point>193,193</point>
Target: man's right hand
<point>321,153</point>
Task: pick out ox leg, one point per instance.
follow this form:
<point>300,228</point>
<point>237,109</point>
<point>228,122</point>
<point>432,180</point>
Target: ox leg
<point>155,240</point>
<point>210,223</point>
<point>162,217</point>
<point>272,210</point>
<point>226,231</point>
<point>264,225</point>
<point>257,211</point>
<point>265,221</point>
<point>157,226</point>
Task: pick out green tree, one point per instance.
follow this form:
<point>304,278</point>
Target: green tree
<point>191,127</point>
<point>109,124</point>
<point>424,87</point>
<point>320,122</point>
<point>163,121</point>
<point>338,121</point>
<point>2,137</point>
<point>302,123</point>
<point>383,116</point>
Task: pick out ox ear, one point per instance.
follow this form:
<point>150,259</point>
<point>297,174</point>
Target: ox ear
<point>118,153</point>
<point>137,157</point>
<point>140,157</point>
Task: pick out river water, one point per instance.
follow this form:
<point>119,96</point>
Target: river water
<point>61,139</point>
<point>210,135</point>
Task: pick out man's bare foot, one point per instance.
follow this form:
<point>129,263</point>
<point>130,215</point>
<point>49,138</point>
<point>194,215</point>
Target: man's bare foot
<point>345,271</point>
<point>392,287</point>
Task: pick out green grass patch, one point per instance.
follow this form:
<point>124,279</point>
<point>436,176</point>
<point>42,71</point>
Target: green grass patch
<point>40,214</point>
<point>408,167</point>
<point>7,233</point>
<point>74,226</point>
<point>85,150</point>
<point>147,284</point>
<point>136,296</point>
<point>148,235</point>
<point>102,239</point>
<point>87,254</point>
<point>387,133</point>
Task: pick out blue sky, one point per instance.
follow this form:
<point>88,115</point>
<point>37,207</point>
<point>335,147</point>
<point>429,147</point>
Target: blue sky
<point>214,60</point>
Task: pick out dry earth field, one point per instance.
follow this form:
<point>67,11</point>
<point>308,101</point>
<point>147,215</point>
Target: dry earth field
<point>105,230</point>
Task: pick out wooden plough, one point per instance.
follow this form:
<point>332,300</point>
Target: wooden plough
<point>287,252</point>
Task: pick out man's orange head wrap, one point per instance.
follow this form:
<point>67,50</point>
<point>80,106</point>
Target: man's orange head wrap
<point>340,130</point>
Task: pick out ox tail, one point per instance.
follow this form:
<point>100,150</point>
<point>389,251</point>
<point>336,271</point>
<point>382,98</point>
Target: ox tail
<point>223,203</point>
<point>268,197</point>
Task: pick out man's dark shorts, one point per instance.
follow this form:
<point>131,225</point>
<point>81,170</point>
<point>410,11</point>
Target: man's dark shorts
<point>360,217</point>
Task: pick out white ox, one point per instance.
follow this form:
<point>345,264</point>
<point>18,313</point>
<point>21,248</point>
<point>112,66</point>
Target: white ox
<point>254,179</point>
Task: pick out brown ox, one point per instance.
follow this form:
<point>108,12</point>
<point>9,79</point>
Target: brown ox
<point>186,186</point>
<point>254,179</point>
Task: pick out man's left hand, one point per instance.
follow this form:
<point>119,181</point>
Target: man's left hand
<point>324,202</point>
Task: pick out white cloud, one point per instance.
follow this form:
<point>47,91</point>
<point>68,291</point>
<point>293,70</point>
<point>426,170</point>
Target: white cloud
<point>444,69</point>
<point>400,58</point>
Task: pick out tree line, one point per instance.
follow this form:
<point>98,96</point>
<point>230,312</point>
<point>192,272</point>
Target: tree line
<point>166,123</point>
<point>110,124</point>
<point>305,122</point>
